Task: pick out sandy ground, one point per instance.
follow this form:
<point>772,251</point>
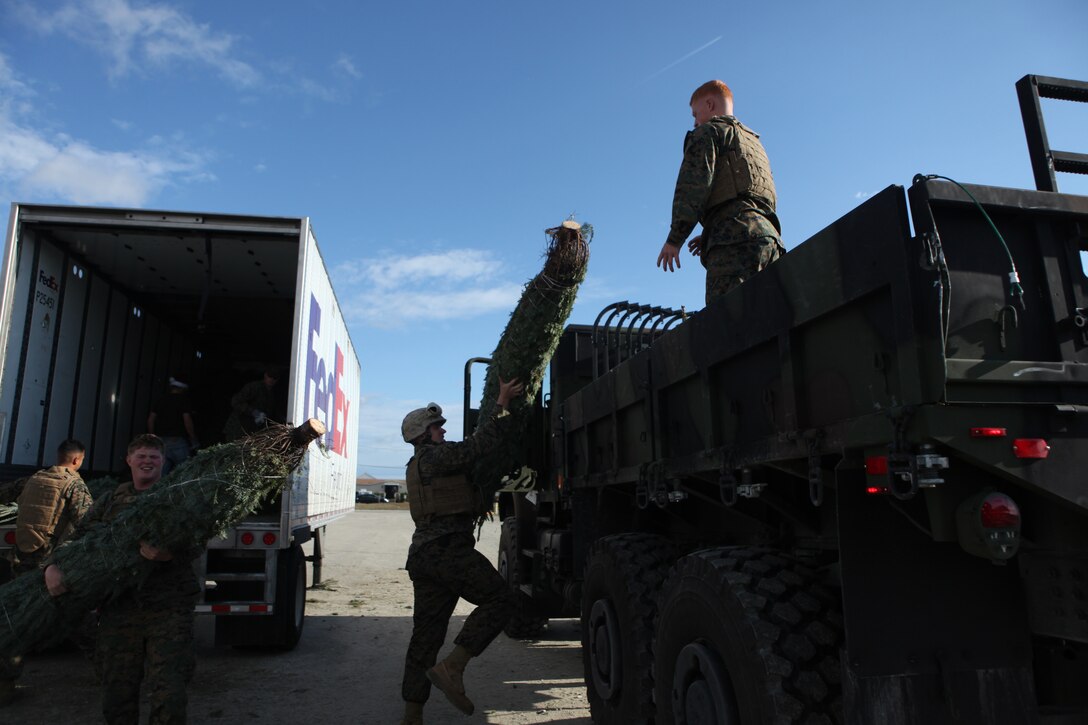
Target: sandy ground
<point>348,666</point>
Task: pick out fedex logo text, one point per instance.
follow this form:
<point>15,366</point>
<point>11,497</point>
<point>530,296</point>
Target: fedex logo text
<point>327,401</point>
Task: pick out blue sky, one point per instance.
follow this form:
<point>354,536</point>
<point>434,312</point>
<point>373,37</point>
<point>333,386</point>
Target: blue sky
<point>432,143</point>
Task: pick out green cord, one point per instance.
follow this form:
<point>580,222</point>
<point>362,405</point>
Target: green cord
<point>1015,290</point>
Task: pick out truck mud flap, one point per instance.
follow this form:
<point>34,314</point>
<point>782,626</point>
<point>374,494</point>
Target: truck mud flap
<point>954,652</point>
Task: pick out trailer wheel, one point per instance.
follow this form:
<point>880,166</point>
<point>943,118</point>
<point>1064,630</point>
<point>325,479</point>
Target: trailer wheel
<point>290,614</point>
<point>746,637</point>
<point>523,624</point>
<point>619,593</point>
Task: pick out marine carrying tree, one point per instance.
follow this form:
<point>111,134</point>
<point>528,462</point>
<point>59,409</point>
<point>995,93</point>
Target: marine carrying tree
<point>197,501</point>
<point>529,341</point>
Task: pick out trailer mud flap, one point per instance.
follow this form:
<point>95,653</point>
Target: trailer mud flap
<point>932,635</point>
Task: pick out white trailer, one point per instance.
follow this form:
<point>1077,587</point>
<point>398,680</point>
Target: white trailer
<point>101,306</point>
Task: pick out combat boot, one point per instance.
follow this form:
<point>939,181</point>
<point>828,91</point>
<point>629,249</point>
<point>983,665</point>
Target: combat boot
<point>448,676</point>
<point>413,713</point>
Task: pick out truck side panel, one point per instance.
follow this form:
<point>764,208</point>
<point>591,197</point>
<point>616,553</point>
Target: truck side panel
<point>42,313</point>
<point>782,354</point>
<point>90,360</point>
<point>324,384</point>
<point>66,363</point>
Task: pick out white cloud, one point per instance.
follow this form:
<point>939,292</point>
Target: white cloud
<point>860,195</point>
<point>9,83</point>
<point>134,36</point>
<point>313,89</point>
<point>84,175</point>
<point>455,284</point>
<point>345,65</point>
<point>52,166</point>
<point>123,125</point>
<point>382,451</point>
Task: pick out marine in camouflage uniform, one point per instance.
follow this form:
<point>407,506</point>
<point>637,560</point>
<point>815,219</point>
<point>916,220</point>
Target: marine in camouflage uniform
<point>146,632</point>
<point>51,503</point>
<point>251,406</point>
<point>725,184</point>
<point>442,560</point>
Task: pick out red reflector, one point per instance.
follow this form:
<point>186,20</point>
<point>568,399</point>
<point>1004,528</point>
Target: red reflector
<point>998,511</point>
<point>247,538</point>
<point>1030,448</point>
<point>988,432</point>
<point>258,608</point>
<point>9,538</point>
<point>269,539</point>
<point>221,608</point>
<point>876,466</point>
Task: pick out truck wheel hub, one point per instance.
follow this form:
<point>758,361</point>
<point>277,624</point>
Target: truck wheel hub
<point>604,649</point>
<point>701,692</point>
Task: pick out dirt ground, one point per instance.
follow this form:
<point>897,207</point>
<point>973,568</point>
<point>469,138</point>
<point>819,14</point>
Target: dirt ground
<point>348,666</point>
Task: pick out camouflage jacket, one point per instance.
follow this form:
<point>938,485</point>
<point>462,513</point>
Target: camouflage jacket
<point>445,459</point>
<point>171,584</point>
<point>747,216</point>
<point>52,503</point>
<point>252,396</point>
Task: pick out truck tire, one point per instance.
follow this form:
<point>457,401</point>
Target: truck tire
<point>746,637</point>
<point>619,594</point>
<point>290,613</point>
<point>523,624</point>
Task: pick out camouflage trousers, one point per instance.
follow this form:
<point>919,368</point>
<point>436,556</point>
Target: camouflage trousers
<point>134,643</point>
<point>442,572</point>
<point>728,265</point>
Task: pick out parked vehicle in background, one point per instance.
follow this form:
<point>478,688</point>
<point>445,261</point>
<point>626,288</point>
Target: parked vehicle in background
<point>101,306</point>
<point>369,497</point>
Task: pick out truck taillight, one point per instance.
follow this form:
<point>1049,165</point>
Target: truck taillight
<point>9,537</point>
<point>1030,448</point>
<point>269,539</point>
<point>988,432</point>
<point>247,538</point>
<point>876,466</point>
<point>988,525</point>
<point>999,512</point>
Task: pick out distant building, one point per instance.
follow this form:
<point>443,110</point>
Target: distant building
<point>393,489</point>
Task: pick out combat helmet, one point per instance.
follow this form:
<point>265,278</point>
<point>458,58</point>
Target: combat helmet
<point>419,420</point>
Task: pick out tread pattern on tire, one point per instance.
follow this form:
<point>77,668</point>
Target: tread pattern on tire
<point>794,621</point>
<point>644,560</point>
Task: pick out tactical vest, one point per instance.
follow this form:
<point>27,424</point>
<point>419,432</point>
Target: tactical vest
<point>742,167</point>
<point>439,495</point>
<point>41,508</point>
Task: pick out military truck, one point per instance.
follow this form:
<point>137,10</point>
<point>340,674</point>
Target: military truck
<point>852,490</point>
<point>101,306</point>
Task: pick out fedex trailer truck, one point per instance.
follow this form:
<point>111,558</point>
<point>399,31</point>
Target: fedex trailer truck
<point>101,307</point>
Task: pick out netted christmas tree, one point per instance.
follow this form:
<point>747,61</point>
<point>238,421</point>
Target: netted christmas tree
<point>529,341</point>
<point>102,485</point>
<point>197,501</point>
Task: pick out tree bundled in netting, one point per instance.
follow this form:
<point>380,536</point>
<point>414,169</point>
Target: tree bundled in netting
<point>99,486</point>
<point>529,341</point>
<point>197,501</point>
